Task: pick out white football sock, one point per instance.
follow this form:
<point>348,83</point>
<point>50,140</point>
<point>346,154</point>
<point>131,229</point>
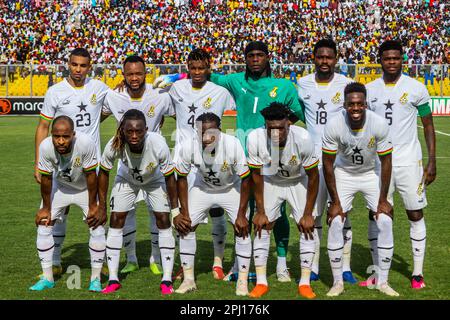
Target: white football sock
<point>418,235</point>
<point>97,249</point>
<point>260,254</point>
<point>155,255</point>
<point>129,236</point>
<point>372,236</point>
<point>59,234</point>
<point>348,238</point>
<point>336,247</point>
<point>307,251</point>
<point>45,246</point>
<point>167,249</point>
<point>219,231</point>
<point>385,246</point>
<point>113,246</point>
<point>188,248</point>
<point>243,248</point>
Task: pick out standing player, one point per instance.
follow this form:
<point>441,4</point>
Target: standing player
<point>80,98</point>
<point>253,90</point>
<point>221,166</point>
<point>280,154</point>
<point>67,163</point>
<point>191,98</point>
<point>154,104</point>
<point>398,98</point>
<point>322,94</point>
<point>146,166</point>
<point>351,142</point>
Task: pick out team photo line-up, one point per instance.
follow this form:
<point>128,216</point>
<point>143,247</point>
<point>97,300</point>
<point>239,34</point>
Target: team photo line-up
<point>358,139</point>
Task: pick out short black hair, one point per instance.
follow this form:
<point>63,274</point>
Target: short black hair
<point>325,43</point>
<point>80,52</point>
<point>209,117</point>
<point>199,55</point>
<point>390,45</point>
<point>133,59</point>
<point>64,118</point>
<point>276,111</point>
<point>355,87</point>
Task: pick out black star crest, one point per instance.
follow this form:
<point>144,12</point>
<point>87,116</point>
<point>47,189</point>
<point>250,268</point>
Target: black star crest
<point>280,165</point>
<point>321,104</point>
<point>388,105</point>
<point>243,267</point>
<point>192,108</point>
<point>211,173</point>
<point>305,261</point>
<point>82,107</point>
<point>136,170</point>
<point>356,150</point>
<point>168,258</point>
<point>67,171</point>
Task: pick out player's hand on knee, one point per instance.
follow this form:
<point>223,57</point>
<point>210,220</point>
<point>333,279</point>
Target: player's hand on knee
<point>43,217</point>
<point>384,207</point>
<point>306,226</point>
<point>241,226</point>
<point>183,224</point>
<point>260,221</point>
<point>334,211</point>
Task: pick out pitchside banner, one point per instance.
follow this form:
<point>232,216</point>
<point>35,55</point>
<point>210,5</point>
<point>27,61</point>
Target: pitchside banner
<point>32,106</point>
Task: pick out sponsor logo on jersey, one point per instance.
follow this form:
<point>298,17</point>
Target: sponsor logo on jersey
<point>337,98</point>
<point>243,89</point>
<point>77,162</point>
<point>371,143</point>
<point>404,98</point>
<point>307,97</point>
<point>293,161</point>
<point>273,93</point>
<point>207,103</point>
<point>67,101</point>
<point>151,111</point>
<point>224,167</point>
<point>374,100</point>
<point>94,99</point>
<point>151,167</point>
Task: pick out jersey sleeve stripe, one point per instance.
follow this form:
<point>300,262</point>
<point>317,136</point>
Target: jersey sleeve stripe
<point>45,173</point>
<point>168,173</point>
<point>181,173</point>
<point>245,174</point>
<point>43,116</point>
<point>255,166</point>
<point>386,152</point>
<point>105,168</point>
<point>91,168</point>
<point>315,164</point>
<point>327,151</point>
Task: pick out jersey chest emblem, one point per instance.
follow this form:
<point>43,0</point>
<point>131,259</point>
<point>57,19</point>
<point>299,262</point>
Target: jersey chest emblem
<point>337,98</point>
<point>93,99</point>
<point>225,166</point>
<point>151,111</point>
<point>151,167</point>
<point>404,98</point>
<point>273,93</point>
<point>207,103</point>
<point>77,162</point>
<point>293,161</point>
<point>371,143</point>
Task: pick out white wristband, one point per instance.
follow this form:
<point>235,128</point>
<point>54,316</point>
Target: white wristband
<point>174,212</point>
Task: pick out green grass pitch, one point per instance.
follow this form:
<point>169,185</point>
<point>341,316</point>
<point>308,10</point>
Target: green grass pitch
<point>20,265</point>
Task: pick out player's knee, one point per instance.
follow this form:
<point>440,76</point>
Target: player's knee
<point>117,219</point>
<point>97,232</point>
<point>162,220</point>
<point>384,221</point>
<point>216,212</point>
<point>414,215</point>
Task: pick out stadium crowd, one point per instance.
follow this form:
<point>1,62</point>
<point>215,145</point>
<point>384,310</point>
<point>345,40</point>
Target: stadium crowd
<point>44,32</point>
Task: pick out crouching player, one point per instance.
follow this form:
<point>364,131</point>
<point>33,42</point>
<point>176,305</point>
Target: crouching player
<point>222,173</point>
<point>146,166</point>
<point>67,163</point>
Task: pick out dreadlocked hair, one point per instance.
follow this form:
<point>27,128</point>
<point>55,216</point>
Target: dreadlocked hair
<point>118,143</point>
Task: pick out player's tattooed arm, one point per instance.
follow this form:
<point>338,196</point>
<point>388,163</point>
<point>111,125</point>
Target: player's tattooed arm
<point>95,216</point>
<point>171,185</point>
<point>335,208</point>
<point>43,216</point>
<point>241,226</point>
<point>306,223</point>
<point>430,140</point>
<point>260,219</point>
<point>41,133</point>
<point>386,168</point>
<point>182,222</point>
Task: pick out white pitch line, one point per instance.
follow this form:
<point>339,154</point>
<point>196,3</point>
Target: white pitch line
<point>440,132</point>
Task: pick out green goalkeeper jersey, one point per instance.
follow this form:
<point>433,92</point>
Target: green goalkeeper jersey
<point>252,96</point>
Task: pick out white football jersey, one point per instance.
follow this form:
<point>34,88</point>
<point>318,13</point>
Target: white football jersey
<point>147,168</point>
<point>220,172</point>
<point>83,105</point>
<point>282,165</point>
<point>322,102</point>
<point>190,103</point>
<point>69,170</point>
<point>356,150</point>
<point>154,104</point>
<point>398,105</point>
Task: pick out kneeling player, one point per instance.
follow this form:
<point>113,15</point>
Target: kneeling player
<point>146,166</point>
<point>278,154</point>
<point>221,174</point>
<point>72,160</point>
<point>351,141</point>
